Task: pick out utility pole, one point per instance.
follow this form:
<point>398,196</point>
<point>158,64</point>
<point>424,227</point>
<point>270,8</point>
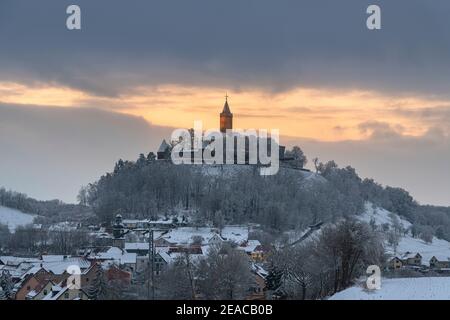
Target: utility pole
<point>151,257</point>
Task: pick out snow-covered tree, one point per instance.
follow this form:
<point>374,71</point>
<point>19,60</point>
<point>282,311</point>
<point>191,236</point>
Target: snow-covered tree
<point>225,274</point>
<point>99,288</point>
<point>2,295</point>
<point>7,284</point>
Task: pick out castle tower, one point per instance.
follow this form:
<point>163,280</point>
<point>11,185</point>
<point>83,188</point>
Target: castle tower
<point>118,233</point>
<point>226,117</point>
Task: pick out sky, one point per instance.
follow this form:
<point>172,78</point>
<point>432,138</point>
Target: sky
<point>74,102</point>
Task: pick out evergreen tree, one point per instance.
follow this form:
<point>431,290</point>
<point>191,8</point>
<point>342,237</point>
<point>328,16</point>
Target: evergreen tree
<point>6,284</point>
<point>2,295</point>
<point>151,157</point>
<point>273,279</point>
<point>98,289</point>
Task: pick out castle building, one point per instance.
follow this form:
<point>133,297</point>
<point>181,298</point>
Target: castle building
<point>226,117</point>
<point>226,123</point>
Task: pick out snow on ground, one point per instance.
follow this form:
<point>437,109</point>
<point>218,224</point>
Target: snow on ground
<point>380,215</point>
<point>439,248</point>
<point>427,288</point>
<point>14,218</point>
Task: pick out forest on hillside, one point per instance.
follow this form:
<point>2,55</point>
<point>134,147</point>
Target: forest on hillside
<point>148,188</point>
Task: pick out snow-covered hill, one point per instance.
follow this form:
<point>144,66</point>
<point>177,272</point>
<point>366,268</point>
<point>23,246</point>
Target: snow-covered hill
<point>407,244</point>
<point>14,218</point>
<point>427,288</point>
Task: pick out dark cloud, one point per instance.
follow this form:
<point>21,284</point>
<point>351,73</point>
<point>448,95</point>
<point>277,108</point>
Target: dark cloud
<point>50,152</point>
<point>265,43</point>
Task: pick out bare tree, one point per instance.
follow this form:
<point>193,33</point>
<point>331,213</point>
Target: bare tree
<point>225,274</point>
<point>178,280</point>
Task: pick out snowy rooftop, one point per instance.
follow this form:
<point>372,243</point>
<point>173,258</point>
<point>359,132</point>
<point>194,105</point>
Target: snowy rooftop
<point>186,235</point>
<point>237,234</point>
<point>118,255</point>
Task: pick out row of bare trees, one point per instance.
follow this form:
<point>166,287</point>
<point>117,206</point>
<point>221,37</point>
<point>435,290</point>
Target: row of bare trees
<point>29,240</point>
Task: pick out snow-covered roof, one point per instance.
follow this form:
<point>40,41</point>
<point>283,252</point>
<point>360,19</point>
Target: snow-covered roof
<point>15,261</point>
<point>136,246</point>
<point>118,255</point>
<point>409,255</point>
<point>237,234</point>
<point>259,270</point>
<point>59,267</point>
<point>131,221</point>
<point>186,235</point>
<point>249,246</point>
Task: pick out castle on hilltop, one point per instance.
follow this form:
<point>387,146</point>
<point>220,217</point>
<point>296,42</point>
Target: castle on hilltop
<point>226,127</point>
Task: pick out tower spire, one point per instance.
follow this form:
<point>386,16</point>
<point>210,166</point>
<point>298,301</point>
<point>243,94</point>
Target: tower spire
<point>226,117</point>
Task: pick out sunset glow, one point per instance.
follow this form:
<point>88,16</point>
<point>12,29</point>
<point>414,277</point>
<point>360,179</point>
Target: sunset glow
<point>322,114</point>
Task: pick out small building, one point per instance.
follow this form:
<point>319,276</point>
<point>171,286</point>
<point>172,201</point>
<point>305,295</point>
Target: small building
<point>395,263</point>
<point>412,259</point>
<point>163,152</point>
<point>439,262</point>
<point>135,224</point>
<point>40,291</point>
<point>116,274</point>
<point>58,293</point>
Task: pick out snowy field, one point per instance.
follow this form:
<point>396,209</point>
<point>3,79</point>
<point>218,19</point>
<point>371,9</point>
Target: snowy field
<point>14,218</point>
<point>439,248</point>
<point>401,289</point>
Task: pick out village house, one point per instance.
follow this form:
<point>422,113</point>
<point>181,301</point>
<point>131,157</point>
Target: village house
<point>139,248</point>
<point>258,289</point>
<point>409,259</point>
<point>116,274</point>
<point>117,256</point>
<point>58,293</point>
<point>41,290</point>
<point>412,259</point>
<point>395,263</point>
<point>438,262</point>
<point>135,224</point>
<point>254,249</point>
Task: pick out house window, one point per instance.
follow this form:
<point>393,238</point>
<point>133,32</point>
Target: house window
<point>87,279</point>
<point>45,292</point>
<point>28,288</point>
<point>66,295</point>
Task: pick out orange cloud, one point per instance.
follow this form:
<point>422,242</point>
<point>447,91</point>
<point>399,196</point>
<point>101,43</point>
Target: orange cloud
<point>322,114</point>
